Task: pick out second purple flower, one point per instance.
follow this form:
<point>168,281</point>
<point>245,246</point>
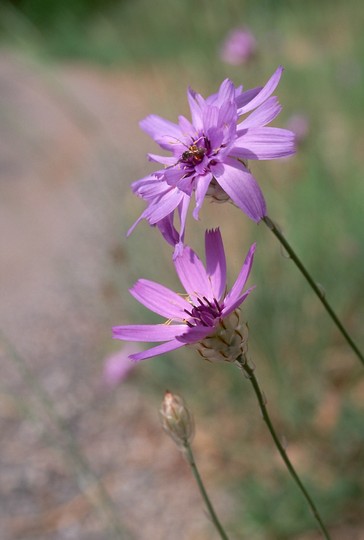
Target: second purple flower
<point>207,317</point>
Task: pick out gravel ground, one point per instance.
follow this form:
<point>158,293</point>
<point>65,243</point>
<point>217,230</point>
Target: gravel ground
<point>66,162</point>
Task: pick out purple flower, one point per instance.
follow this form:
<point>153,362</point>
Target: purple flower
<point>239,46</point>
<point>209,154</point>
<point>207,318</point>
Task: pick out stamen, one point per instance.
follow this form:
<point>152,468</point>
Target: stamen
<point>208,302</point>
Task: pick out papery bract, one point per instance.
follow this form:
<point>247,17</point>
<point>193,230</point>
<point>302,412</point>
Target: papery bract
<point>176,419</point>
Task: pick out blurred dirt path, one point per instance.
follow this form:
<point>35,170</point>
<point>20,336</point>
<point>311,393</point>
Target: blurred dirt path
<point>67,157</point>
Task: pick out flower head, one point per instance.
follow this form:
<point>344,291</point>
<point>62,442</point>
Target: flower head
<point>209,154</point>
<point>207,318</point>
<point>239,46</point>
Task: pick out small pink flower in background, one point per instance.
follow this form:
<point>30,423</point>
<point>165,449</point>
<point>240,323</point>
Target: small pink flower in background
<point>239,47</point>
<point>117,366</point>
<point>299,124</point>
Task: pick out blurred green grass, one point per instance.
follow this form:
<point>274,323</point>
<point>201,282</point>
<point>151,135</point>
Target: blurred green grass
<point>317,197</point>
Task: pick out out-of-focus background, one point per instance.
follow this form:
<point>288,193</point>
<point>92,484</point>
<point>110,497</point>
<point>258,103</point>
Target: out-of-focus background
<point>82,452</point>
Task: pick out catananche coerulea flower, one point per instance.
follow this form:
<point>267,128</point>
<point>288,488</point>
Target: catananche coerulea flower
<point>208,317</point>
<point>239,46</point>
<point>210,154</point>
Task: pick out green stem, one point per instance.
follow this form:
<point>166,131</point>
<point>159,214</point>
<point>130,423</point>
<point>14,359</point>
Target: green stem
<point>275,230</point>
<point>249,371</point>
<point>191,460</point>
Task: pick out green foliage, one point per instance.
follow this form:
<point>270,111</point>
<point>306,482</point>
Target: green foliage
<point>47,15</point>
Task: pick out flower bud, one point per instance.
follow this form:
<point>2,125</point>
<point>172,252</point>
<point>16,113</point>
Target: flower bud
<point>176,419</point>
<point>229,341</point>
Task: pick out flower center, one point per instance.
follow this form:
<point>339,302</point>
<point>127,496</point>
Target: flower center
<point>204,314</point>
<point>196,151</point>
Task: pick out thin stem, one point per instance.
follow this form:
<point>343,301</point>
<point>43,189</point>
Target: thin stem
<point>191,460</point>
<point>249,371</point>
<point>275,230</point>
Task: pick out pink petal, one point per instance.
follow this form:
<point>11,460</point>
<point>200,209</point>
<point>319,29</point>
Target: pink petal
<point>226,92</point>
<point>265,92</point>
<point>192,274</point>
<point>174,176</point>
<point>263,115</point>
<point>183,211</point>
<point>195,334</point>
<point>160,299</point>
<point>165,160</point>
<point>264,143</point>
<point>145,181</point>
<point>242,277</point>
<point>243,190</point>
<point>164,132</point>
<point>163,206</point>
<point>215,262</point>
<point>140,218</point>
<point>210,119</point>
<point>247,96</point>
<point>149,187</point>
<point>200,192</point>
<point>196,112</point>
<point>188,129</point>
<point>233,305</point>
<point>148,332</point>
<point>168,230</point>
<point>159,349</point>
